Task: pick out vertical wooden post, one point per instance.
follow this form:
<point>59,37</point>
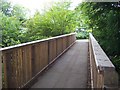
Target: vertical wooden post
<point>48,51</point>
<point>0,70</point>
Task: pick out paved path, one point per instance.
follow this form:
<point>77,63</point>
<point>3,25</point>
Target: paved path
<point>69,71</point>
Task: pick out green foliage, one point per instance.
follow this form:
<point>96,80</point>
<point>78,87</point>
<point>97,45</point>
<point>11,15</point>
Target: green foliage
<point>57,20</point>
<point>5,7</point>
<point>19,12</point>
<point>10,27</point>
<point>104,20</point>
<point>116,61</point>
<point>11,24</point>
<point>82,35</point>
<point>17,29</point>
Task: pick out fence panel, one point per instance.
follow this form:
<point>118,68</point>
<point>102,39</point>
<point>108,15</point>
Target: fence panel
<point>21,63</point>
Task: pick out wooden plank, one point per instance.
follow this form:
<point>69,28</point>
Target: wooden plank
<point>18,64</point>
<point>37,57</point>
<point>30,63</point>
<point>16,68</point>
<point>67,40</point>
<point>45,53</point>
<point>20,67</point>
<point>64,43</point>
<point>41,52</point>
<point>0,70</point>
<point>11,69</point>
<point>52,50</point>
<point>33,60</point>
<point>59,46</point>
<point>62,49</point>
<point>57,42</point>
<point>13,79</point>
<point>27,59</point>
<point>55,51</point>
<point>24,65</point>
<point>5,81</point>
<point>41,60</point>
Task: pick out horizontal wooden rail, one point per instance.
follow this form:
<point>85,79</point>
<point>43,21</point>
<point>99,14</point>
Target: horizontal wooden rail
<point>103,74</point>
<point>23,62</point>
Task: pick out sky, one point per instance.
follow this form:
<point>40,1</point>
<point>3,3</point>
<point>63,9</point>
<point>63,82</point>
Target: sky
<point>34,5</point>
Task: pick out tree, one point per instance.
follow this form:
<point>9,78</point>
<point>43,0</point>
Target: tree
<point>5,7</point>
<point>55,21</point>
<point>104,19</point>
<point>10,27</point>
<point>11,24</point>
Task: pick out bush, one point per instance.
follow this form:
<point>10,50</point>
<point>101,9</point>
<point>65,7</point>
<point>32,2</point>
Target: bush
<point>82,35</point>
<point>116,62</point>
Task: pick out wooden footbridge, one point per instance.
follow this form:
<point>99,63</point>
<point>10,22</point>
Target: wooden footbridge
<point>57,62</point>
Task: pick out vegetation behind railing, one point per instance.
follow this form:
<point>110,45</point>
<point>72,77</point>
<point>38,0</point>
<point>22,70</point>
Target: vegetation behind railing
<point>103,74</point>
<point>23,62</point>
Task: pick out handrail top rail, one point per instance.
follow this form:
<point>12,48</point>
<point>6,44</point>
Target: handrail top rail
<point>33,42</point>
<point>101,59</point>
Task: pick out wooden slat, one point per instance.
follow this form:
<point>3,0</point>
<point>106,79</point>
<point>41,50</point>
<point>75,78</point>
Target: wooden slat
<point>0,70</point>
<point>20,67</point>
<point>36,59</point>
<point>52,50</point>
<point>59,46</point>
<point>64,43</point>
<point>24,64</point>
<point>44,50</point>
<point>28,60</point>
<point>10,69</point>
<point>39,57</point>
<point>5,81</point>
<point>33,60</point>
<point>16,68</point>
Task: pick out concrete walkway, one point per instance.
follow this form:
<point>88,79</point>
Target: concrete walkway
<point>69,71</point>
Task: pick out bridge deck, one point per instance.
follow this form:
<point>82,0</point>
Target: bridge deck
<point>69,71</point>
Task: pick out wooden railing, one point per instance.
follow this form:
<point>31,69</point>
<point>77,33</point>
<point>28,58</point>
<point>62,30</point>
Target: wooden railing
<point>103,74</point>
<point>23,62</point>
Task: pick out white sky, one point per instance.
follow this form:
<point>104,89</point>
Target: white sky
<point>34,5</point>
